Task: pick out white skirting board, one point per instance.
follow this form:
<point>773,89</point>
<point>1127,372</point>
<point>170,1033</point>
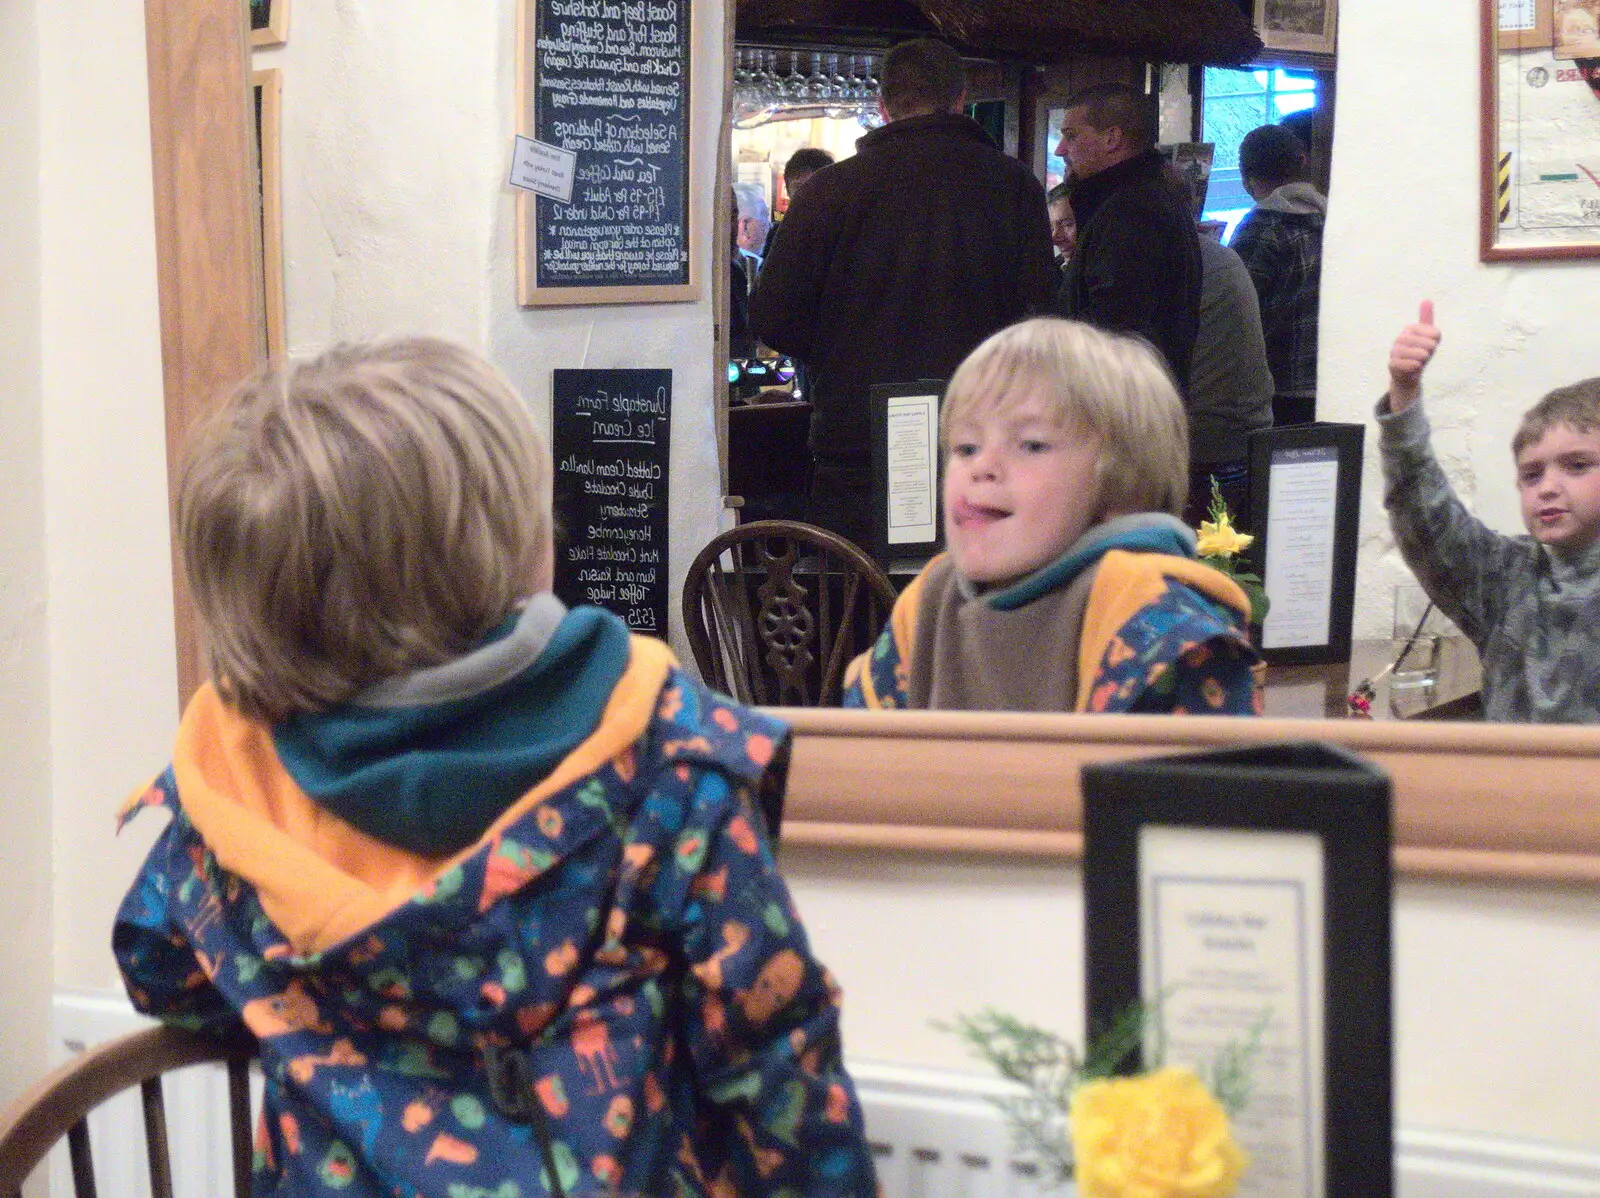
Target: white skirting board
<point>934,1132</point>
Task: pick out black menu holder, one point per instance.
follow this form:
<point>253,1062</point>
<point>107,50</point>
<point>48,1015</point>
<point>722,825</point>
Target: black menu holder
<point>1246,893</point>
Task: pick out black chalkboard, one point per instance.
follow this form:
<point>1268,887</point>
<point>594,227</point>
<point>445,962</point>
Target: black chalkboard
<point>610,82</point>
<point>609,439</point>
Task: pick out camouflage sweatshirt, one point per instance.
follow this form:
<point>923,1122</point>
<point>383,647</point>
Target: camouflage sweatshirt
<point>1533,614</point>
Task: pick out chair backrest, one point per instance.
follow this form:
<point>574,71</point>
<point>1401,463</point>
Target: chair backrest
<point>60,1104</point>
<point>774,610</point>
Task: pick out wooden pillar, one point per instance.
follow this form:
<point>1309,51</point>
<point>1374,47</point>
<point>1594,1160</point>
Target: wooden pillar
<point>207,231</point>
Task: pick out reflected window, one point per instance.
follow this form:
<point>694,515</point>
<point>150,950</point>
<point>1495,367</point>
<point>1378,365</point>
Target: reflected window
<point>1235,102</point>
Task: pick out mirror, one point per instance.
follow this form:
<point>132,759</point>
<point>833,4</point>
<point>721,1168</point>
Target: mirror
<point>339,268</point>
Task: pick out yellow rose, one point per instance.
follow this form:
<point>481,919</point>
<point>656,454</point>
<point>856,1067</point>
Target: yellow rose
<point>1159,1135</point>
<point>1218,538</point>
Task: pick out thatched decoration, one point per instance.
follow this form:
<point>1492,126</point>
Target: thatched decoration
<point>1214,32</point>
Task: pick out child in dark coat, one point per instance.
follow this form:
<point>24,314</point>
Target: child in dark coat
<point>487,878</point>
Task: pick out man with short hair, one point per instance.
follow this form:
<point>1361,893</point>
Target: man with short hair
<point>754,222</point>
<point>1137,263</point>
<point>1280,240</point>
<point>895,263</point>
<point>1063,223</point>
<point>802,164</point>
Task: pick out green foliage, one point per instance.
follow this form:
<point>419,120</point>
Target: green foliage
<point>1048,1069</point>
<point>1228,563</point>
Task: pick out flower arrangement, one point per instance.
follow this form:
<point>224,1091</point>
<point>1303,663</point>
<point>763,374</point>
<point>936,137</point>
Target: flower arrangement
<point>1163,1133</point>
<point>1219,545</point>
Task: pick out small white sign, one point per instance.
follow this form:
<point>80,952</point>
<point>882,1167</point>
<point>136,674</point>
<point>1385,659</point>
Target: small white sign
<point>1232,944</point>
<point>540,167</point>
<point>913,468</point>
<point>1302,503</point>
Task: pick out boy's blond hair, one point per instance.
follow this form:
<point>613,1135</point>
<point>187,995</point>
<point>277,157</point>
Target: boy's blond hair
<point>1112,386</point>
<point>352,517</point>
<point>1577,406</point>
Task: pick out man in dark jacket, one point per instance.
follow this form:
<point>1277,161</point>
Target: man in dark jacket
<point>895,263</point>
<point>1280,240</point>
<point>1137,264</point>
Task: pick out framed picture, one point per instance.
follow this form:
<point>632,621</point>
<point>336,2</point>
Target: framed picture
<point>1540,132</point>
<point>1305,508</point>
<point>267,93</point>
<point>269,23</point>
<point>1526,24</point>
<point>1243,897</point>
<point>1575,29</point>
<point>1303,26</point>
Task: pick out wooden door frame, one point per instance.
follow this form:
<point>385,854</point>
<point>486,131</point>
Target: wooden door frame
<point>207,218</point>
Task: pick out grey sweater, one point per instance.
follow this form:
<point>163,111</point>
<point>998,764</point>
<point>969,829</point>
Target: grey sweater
<point>1533,614</point>
<point>1230,387</point>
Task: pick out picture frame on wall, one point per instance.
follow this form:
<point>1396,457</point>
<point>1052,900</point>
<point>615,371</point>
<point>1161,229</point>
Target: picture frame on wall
<point>1301,26</point>
<point>1540,133</point>
<point>267,105</point>
<point>269,23</point>
<point>1575,28</point>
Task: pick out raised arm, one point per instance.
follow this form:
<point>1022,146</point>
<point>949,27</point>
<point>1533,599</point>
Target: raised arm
<point>1461,563</point>
<point>1409,357</point>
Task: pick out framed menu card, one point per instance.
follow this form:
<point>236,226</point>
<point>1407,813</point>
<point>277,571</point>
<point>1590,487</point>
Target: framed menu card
<point>1245,895</point>
<point>1305,511</point>
<point>906,519</point>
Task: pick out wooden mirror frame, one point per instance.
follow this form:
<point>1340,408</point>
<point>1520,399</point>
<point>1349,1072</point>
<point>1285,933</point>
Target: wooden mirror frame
<point>1485,801</point>
<point>1496,801</point>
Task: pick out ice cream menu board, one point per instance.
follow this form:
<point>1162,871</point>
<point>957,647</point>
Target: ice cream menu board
<point>609,440</point>
<point>608,81</point>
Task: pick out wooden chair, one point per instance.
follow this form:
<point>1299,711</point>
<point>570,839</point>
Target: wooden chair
<point>775,609</point>
<point>60,1104</point>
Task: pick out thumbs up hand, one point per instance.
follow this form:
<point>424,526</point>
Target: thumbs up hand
<point>1412,352</point>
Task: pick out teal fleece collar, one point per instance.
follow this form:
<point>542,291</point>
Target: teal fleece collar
<point>1147,532</point>
<point>427,762</point>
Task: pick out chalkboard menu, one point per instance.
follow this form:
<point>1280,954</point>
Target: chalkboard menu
<point>608,80</point>
<point>609,440</point>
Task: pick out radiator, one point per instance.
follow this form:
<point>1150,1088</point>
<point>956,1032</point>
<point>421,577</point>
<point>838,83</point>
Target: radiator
<point>934,1134</point>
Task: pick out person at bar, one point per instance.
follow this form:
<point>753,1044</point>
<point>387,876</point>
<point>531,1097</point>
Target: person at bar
<point>895,263</point>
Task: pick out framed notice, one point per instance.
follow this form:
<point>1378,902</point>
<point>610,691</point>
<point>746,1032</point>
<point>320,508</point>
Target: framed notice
<point>609,440</point>
<point>1303,26</point>
<point>269,23</point>
<point>906,517</point>
<point>1540,134</point>
<point>1305,506</point>
<point>605,82</point>
<point>1244,896</point>
<point>266,90</point>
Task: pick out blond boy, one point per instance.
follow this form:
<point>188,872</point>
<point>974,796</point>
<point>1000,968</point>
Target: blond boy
<point>1531,604</point>
<point>1070,584</point>
<point>487,878</point>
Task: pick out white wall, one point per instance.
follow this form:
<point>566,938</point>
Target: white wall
<point>114,699</point>
<point>24,683</point>
<point>1402,226</point>
<point>1497,1027</point>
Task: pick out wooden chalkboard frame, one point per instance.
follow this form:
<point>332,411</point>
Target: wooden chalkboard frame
<point>529,294</point>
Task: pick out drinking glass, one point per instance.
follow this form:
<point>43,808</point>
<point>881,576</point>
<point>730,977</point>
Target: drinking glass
<point>1419,627</point>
